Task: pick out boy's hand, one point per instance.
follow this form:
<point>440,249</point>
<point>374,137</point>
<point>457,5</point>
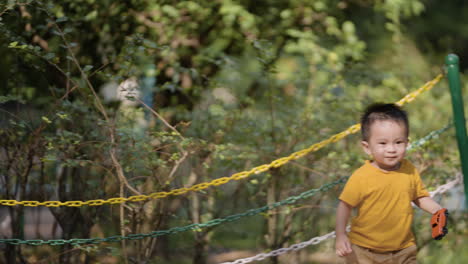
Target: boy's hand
<point>439,224</point>
<point>342,245</point>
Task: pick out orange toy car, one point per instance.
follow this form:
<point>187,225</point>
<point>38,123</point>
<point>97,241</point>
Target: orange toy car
<point>439,224</point>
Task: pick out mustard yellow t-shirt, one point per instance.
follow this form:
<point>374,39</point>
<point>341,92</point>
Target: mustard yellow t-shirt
<point>383,202</point>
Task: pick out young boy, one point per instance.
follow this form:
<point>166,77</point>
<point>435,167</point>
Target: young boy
<point>382,191</point>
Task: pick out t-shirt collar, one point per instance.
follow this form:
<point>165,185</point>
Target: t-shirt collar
<point>368,163</point>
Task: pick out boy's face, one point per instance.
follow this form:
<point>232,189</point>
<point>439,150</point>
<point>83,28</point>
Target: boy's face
<point>386,144</point>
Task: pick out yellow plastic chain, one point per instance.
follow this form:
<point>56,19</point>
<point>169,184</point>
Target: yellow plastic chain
<point>223,180</point>
<point>426,87</point>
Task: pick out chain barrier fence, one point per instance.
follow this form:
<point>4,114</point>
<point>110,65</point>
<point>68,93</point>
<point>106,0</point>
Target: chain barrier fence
<point>290,200</point>
<point>175,230</point>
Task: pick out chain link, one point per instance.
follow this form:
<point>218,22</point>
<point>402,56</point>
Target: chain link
<point>238,176</point>
<point>428,137</point>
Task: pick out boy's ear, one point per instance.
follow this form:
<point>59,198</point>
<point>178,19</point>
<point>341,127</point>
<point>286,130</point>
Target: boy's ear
<point>365,147</point>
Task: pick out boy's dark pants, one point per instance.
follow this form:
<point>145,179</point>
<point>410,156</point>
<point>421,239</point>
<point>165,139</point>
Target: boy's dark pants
<point>362,255</point>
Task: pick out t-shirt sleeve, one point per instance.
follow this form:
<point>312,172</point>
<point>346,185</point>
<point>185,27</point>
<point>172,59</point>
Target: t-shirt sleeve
<point>420,189</point>
<point>352,193</point>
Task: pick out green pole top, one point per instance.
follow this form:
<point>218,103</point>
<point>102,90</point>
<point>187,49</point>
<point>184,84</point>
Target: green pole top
<point>451,59</point>
<point>458,114</point>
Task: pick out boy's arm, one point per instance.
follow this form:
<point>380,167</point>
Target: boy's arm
<point>342,244</point>
<point>427,204</point>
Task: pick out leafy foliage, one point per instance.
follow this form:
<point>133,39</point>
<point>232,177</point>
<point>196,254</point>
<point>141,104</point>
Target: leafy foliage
<point>104,99</point>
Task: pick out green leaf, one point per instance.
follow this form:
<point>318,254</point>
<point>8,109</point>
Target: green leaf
<point>62,115</point>
<point>61,19</point>
<point>67,30</point>
<point>47,120</point>
<point>55,32</point>
<point>87,68</point>
<point>49,56</point>
<point>92,15</point>
<point>170,10</point>
<point>13,44</point>
<point>7,98</point>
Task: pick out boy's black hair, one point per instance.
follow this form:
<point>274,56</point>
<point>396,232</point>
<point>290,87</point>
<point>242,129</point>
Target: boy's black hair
<point>381,111</point>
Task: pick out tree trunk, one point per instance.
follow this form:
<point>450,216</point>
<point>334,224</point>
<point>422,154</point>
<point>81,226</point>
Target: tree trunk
<point>272,219</point>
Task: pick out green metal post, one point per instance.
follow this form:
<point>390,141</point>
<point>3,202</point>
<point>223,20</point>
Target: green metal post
<point>458,115</point>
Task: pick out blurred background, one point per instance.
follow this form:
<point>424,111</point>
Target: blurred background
<point>103,99</point>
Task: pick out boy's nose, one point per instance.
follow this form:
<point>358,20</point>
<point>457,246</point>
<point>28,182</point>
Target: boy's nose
<point>391,148</point>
